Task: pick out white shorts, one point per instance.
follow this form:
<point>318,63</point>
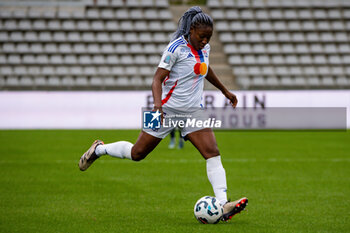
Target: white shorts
<point>174,119</point>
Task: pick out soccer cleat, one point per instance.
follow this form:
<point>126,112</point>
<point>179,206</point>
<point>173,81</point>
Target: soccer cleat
<point>233,208</point>
<point>171,144</point>
<point>181,143</point>
<point>89,156</point>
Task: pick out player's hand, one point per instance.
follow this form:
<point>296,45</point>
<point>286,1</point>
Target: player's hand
<point>232,97</point>
<point>155,108</point>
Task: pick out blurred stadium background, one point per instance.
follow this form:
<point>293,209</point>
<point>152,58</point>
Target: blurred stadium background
<point>90,64</point>
<point>116,44</point>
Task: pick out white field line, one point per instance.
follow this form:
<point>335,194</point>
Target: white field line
<point>181,161</point>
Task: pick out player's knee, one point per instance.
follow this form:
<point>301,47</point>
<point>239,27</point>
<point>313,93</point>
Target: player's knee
<point>137,158</point>
<point>138,155</point>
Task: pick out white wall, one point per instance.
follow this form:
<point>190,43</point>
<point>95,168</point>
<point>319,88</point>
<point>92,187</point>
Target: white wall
<point>122,109</point>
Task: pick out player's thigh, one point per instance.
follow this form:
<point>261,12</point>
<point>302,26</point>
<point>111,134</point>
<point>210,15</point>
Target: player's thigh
<point>205,142</point>
<point>143,146</point>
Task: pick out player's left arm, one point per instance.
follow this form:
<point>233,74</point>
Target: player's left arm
<point>213,79</point>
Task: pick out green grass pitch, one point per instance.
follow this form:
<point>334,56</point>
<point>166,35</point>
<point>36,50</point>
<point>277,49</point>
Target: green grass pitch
<point>296,181</point>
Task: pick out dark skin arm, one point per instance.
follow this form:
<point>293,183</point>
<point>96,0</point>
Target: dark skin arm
<point>158,79</point>
<point>213,79</point>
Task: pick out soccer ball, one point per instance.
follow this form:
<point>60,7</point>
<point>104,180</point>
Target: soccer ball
<point>208,210</point>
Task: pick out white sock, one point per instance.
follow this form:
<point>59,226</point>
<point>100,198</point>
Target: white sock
<point>217,177</point>
<point>121,149</point>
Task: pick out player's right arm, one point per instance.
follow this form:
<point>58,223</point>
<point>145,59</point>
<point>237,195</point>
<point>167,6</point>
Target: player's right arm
<point>166,63</point>
<point>158,79</point>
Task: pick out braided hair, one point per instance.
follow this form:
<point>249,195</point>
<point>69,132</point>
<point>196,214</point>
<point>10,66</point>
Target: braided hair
<point>193,17</point>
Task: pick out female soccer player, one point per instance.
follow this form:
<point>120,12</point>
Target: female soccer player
<point>179,79</point>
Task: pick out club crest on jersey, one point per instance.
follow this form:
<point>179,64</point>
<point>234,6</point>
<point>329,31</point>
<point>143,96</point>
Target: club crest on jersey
<point>184,50</point>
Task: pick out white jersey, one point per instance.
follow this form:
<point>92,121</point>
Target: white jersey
<point>183,88</point>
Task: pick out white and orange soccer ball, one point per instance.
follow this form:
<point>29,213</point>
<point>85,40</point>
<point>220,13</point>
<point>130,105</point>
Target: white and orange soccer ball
<point>208,210</point>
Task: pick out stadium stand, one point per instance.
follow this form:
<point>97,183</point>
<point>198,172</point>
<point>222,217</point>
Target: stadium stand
<point>276,44</point>
<point>103,44</point>
<point>117,44</point>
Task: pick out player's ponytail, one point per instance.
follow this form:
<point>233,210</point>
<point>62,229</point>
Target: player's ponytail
<point>192,17</point>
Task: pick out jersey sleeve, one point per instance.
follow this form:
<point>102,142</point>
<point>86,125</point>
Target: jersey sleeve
<point>168,59</point>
